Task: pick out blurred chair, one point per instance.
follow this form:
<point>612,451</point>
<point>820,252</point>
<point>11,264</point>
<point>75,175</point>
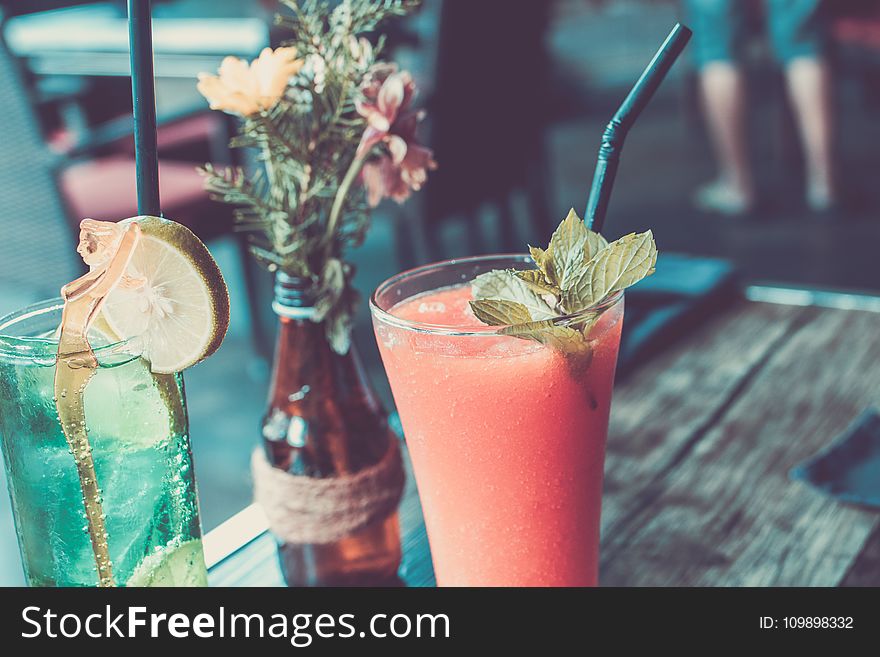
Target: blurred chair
<point>856,31</point>
<point>98,180</point>
<point>35,253</point>
<point>94,178</point>
<point>97,174</point>
<point>487,119</point>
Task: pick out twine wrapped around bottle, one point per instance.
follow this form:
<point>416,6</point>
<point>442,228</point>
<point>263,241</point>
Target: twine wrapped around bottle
<point>304,509</point>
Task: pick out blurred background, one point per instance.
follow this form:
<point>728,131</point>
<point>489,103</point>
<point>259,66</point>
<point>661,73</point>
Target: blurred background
<point>765,157</point>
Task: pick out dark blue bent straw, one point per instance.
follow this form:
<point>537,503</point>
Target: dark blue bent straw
<point>143,92</point>
<point>626,115</point>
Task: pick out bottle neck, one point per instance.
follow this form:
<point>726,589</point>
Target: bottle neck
<point>294,297</point>
<point>304,359</point>
<point>322,417</point>
<point>301,354</point>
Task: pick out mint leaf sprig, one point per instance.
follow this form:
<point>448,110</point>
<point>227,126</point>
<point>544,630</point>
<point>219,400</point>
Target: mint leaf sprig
<point>579,269</point>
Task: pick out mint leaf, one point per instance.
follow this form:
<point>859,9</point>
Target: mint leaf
<point>544,262</point>
<point>622,263</point>
<point>570,341</point>
<point>499,312</point>
<point>593,244</point>
<point>567,248</point>
<point>505,285</point>
<point>579,269</point>
<point>571,247</point>
<point>534,278</point>
<point>545,332</point>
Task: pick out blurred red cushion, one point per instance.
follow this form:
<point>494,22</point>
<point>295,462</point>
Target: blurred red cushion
<point>105,189</point>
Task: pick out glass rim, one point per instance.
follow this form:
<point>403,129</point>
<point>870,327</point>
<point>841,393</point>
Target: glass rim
<point>452,330</point>
<point>21,346</point>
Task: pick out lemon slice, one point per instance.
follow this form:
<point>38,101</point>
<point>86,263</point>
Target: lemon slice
<point>173,565</point>
<point>181,312</point>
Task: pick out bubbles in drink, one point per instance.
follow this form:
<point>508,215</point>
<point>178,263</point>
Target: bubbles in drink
<point>445,307</point>
<point>434,307</point>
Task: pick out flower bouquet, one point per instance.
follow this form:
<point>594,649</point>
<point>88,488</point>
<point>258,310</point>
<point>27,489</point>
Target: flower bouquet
<point>335,131</point>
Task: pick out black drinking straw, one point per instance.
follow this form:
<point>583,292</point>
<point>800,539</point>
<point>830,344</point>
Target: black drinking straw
<point>626,115</point>
<point>143,93</point>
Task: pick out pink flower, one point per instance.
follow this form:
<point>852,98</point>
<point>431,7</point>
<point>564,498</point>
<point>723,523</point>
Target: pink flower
<point>383,180</point>
<point>387,95</point>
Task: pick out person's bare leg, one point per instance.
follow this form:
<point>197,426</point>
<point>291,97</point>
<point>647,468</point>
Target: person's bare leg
<point>809,85</point>
<point>723,91</point>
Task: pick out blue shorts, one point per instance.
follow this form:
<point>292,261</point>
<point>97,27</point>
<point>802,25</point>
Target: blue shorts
<point>797,28</point>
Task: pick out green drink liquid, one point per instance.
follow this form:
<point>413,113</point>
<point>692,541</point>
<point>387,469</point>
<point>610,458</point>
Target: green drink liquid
<point>137,428</point>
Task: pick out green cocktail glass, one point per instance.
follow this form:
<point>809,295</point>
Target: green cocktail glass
<point>137,427</point>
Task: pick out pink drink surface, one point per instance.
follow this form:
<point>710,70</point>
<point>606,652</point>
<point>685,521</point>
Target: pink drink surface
<point>507,441</point>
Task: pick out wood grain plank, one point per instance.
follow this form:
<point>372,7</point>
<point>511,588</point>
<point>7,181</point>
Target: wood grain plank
<point>727,514</point>
<point>865,570</point>
<point>663,410</point>
<point>256,564</point>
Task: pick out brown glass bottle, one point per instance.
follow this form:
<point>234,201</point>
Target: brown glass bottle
<point>323,420</point>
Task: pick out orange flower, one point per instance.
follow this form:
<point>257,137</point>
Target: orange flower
<point>245,89</point>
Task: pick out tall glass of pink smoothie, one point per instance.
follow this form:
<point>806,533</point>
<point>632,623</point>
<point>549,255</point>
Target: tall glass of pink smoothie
<point>506,435</point>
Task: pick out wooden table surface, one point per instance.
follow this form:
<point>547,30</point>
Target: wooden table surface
<point>701,442</point>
